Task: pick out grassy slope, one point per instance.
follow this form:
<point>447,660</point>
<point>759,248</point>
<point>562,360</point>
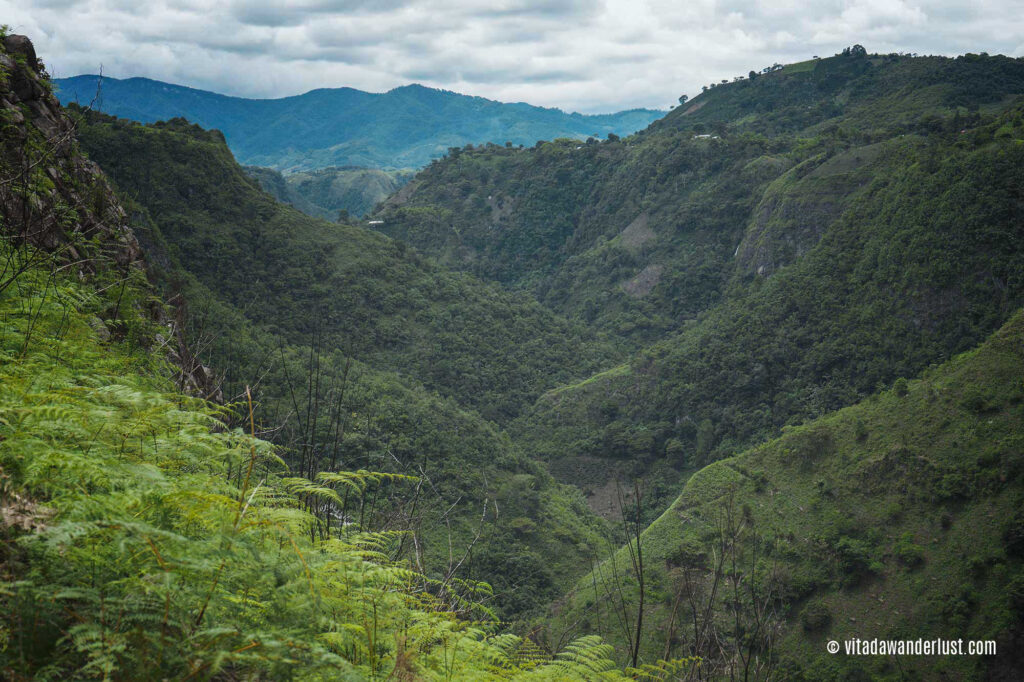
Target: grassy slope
<point>899,517</point>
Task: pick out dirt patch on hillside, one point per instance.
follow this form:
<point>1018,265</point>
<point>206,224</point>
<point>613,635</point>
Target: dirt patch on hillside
<point>596,477</point>
<point>641,285</point>
<point>695,107</point>
<point>637,232</point>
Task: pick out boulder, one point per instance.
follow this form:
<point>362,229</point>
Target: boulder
<point>21,45</point>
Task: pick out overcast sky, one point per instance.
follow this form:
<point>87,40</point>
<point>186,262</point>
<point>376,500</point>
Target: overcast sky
<point>584,55</point>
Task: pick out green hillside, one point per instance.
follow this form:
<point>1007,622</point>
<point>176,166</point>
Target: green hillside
<point>348,338</point>
<point>640,235</point>
<point>349,288</point>
<point>403,128</point>
<point>898,518</point>
<point>774,250</point>
<point>920,262</point>
<point>326,192</point>
<point>143,538</point>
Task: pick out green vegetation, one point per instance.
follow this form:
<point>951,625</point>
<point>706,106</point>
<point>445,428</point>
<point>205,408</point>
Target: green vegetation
<point>902,275</point>
<point>336,327</point>
<point>402,128</point>
<point>790,311</point>
<point>332,193</point>
<point>773,251</point>
<point>895,518</point>
<point>640,236</point>
<point>148,534</point>
<point>347,287</point>
<point>141,539</point>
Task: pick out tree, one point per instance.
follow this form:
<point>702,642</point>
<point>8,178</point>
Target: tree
<point>724,599</point>
<point>633,533</point>
<point>683,98</point>
<point>705,439</point>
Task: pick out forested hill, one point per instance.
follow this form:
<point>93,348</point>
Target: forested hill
<point>403,128</point>
<point>776,249</point>
<point>901,516</point>
<point>349,287</point>
<point>639,234</point>
<point>326,192</point>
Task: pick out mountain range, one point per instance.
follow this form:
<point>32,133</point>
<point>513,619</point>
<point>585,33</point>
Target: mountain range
<point>405,127</point>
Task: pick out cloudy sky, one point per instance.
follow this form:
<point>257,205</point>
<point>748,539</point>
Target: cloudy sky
<point>585,55</point>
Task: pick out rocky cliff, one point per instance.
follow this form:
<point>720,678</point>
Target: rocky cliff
<point>55,203</point>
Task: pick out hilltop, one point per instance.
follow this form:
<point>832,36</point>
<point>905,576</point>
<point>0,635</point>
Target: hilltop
<point>405,127</point>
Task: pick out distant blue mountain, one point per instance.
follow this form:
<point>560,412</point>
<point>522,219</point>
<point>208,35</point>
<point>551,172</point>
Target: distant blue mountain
<point>403,128</point>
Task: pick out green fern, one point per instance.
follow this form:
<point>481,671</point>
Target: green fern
<point>144,555</point>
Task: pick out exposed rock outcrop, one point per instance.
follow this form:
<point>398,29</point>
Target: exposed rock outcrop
<point>19,45</point>
<point>56,202</point>
<point>50,195</point>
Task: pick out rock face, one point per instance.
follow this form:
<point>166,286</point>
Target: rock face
<point>19,45</point>
<point>50,195</point>
<point>55,200</point>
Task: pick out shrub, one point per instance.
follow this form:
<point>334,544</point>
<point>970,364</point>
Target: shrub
<point>856,560</point>
<point>976,401</point>
<point>810,444</point>
<point>522,525</point>
<point>909,553</point>
<point>860,431</point>
<point>901,387</point>
<point>815,616</point>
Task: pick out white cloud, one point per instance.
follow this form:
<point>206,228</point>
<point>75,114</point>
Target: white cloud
<point>588,55</point>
